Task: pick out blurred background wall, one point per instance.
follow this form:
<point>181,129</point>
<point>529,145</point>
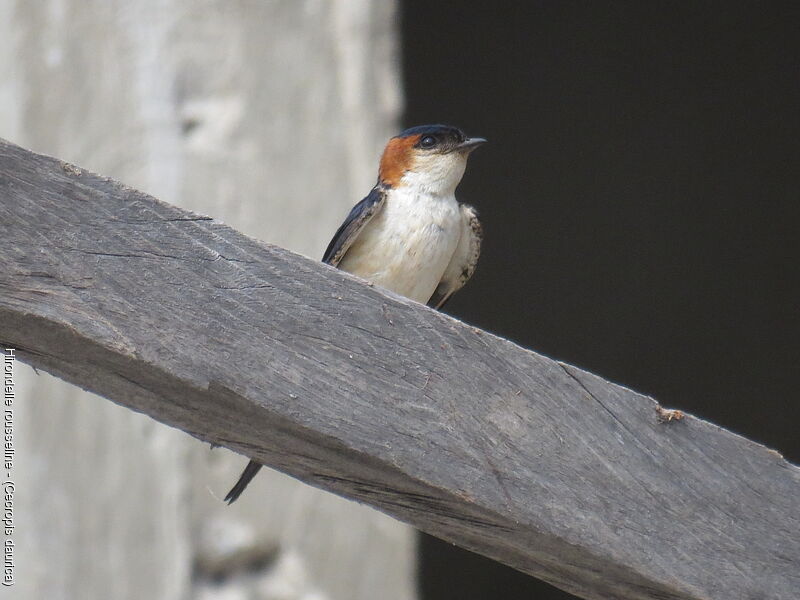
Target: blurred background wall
<point>640,199</point>
<point>268,115</point>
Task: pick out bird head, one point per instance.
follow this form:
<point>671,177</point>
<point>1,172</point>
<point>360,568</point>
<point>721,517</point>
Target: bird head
<point>431,158</point>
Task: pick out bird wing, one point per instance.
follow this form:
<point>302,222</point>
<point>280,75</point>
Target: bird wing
<point>465,258</point>
<point>347,233</point>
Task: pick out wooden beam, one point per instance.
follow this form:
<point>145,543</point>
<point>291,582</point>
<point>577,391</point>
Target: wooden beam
<point>530,461</point>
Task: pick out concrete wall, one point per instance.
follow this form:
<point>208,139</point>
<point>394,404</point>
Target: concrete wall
<point>269,115</point>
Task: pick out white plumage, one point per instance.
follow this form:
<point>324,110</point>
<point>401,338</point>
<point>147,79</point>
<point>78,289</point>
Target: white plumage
<point>409,244</point>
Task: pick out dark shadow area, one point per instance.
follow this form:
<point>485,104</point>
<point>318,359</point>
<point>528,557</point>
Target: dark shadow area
<point>640,198</point>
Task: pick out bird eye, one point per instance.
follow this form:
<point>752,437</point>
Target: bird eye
<point>427,142</point>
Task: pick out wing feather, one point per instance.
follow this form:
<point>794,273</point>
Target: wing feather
<point>464,261</point>
<point>347,233</point>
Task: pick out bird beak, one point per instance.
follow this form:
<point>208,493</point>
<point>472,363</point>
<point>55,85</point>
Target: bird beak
<point>469,144</point>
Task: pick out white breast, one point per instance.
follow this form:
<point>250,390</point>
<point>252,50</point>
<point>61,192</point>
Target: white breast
<point>407,246</point>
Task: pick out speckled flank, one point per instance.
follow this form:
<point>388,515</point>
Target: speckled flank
<point>465,258</point>
<point>397,159</point>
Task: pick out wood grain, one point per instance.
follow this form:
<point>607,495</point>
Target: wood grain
<point>530,461</point>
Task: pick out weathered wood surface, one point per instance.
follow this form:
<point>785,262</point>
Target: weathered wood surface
<point>467,436</point>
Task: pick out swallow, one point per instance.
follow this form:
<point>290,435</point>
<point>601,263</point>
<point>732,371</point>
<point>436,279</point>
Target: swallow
<point>409,234</point>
